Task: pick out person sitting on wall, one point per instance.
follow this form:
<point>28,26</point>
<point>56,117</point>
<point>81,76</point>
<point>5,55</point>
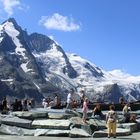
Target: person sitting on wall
<point>97,112</point>
<point>44,103</point>
<point>133,118</point>
<point>56,102</point>
<point>121,100</point>
<point>126,113</point>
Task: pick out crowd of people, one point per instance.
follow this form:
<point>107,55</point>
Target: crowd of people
<point>54,103</point>
<point>111,117</point>
<point>17,105</point>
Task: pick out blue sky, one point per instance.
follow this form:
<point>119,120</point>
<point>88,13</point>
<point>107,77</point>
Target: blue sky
<point>106,32</point>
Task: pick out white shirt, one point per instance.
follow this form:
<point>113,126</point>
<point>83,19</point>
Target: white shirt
<point>69,98</point>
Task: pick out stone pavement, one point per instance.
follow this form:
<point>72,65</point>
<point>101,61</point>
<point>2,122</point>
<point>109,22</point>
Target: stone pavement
<point>7,137</point>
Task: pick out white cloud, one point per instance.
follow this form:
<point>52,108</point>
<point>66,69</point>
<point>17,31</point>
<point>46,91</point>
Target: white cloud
<point>10,5</point>
<point>119,73</point>
<point>59,22</point>
<point>122,75</point>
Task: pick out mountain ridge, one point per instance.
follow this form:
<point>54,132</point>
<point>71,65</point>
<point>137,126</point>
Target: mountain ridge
<point>35,66</point>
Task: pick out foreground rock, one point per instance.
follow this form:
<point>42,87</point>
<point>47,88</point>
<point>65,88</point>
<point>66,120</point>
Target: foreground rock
<point>73,112</point>
<point>13,130</point>
<point>138,123</point>
<point>100,124</point>
<point>75,132</point>
<point>133,127</point>
<point>77,122</point>
<point>52,124</point>
<point>56,115</point>
<point>52,132</point>
<point>15,121</point>
<point>120,132</point>
<point>30,115</point>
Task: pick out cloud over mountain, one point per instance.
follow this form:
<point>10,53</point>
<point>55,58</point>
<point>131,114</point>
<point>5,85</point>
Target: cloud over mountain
<point>59,22</point>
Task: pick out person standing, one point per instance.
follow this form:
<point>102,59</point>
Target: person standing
<point>70,99</point>
<point>82,97</point>
<point>4,104</point>
<point>85,109</point>
<point>57,101</point>
<point>111,120</point>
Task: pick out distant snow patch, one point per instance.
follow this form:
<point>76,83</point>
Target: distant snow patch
<point>1,38</point>
<point>36,86</point>
<point>13,33</point>
<point>8,80</point>
<point>1,58</point>
<point>52,59</point>
<point>25,68</point>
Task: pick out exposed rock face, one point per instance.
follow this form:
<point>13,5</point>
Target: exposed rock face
<point>40,44</point>
<point>110,93</point>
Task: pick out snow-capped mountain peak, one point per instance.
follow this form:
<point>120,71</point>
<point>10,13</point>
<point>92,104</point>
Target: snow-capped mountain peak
<point>37,64</point>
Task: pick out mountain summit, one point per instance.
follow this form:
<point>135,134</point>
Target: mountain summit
<point>35,66</point>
